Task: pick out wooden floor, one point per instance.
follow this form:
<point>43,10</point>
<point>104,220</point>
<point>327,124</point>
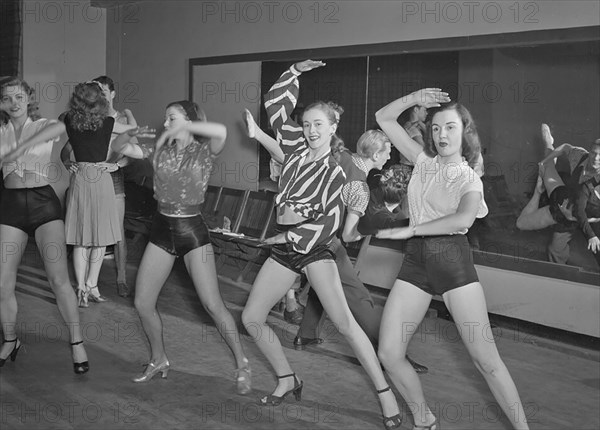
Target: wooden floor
<point>559,384</point>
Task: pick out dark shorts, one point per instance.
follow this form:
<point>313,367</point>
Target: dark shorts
<point>438,264</point>
<point>29,208</point>
<point>285,255</point>
<point>118,178</point>
<point>556,198</point>
<point>178,236</point>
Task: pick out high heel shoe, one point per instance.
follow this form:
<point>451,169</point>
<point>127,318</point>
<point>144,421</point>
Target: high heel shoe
<point>81,367</point>
<point>243,379</point>
<point>151,370</point>
<point>96,298</point>
<point>13,353</point>
<point>393,422</point>
<point>82,298</point>
<point>432,426</point>
<point>272,400</point>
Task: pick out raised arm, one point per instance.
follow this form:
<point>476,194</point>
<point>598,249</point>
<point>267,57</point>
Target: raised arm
<point>126,142</point>
<point>280,102</point>
<point>255,132</point>
<point>387,118</point>
<point>49,132</point>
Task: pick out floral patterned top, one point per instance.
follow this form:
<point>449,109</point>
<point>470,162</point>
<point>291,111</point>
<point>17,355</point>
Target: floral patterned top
<point>181,176</point>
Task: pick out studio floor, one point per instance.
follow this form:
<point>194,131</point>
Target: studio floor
<point>559,383</point>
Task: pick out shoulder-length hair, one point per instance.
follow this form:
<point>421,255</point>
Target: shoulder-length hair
<point>470,144</point>
<point>32,106</point>
<point>88,108</point>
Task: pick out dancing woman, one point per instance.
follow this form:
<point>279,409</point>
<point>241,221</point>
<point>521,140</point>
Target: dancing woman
<point>30,206</point>
<point>183,160</point>
<point>309,212</point>
<point>445,195</point>
<point>92,220</point>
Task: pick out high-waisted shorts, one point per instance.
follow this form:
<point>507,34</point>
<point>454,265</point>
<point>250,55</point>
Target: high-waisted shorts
<point>437,264</point>
<point>285,254</point>
<point>118,178</point>
<point>179,235</point>
<point>29,208</point>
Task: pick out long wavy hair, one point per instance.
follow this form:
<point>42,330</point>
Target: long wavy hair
<point>88,108</point>
<point>470,144</point>
<point>32,106</point>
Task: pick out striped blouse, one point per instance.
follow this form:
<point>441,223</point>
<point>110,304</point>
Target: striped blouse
<point>312,190</point>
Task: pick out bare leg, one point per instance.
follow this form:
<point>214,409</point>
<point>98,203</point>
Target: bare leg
<point>94,266</point>
<point>468,309</point>
<point>12,242</point>
<point>50,239</point>
<point>532,217</point>
<point>154,270</point>
<point>404,310</point>
<point>323,277</point>
<point>200,264</point>
<point>263,296</point>
<point>121,250</point>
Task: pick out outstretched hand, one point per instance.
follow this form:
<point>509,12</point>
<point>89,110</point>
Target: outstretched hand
<point>594,244</point>
<point>308,65</point>
<point>430,97</point>
<point>250,124</point>
<point>566,210</point>
<point>142,132</point>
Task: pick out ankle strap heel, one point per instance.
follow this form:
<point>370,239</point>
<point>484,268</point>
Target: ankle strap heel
<point>80,367</point>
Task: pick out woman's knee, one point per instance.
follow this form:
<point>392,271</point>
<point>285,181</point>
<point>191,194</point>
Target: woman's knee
<point>388,355</point>
<point>487,366</point>
<point>252,318</point>
<point>144,306</point>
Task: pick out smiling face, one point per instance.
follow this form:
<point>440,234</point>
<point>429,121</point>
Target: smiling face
<point>447,131</point>
<point>317,128</point>
<point>14,100</point>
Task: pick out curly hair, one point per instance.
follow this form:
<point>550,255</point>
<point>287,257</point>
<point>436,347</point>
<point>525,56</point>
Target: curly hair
<point>88,108</point>
<point>470,144</point>
<point>393,183</point>
<point>32,106</point>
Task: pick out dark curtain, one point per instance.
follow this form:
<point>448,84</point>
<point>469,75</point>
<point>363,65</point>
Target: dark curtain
<point>10,37</point>
<point>342,80</point>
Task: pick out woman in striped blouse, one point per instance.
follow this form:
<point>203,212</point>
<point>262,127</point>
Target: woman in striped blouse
<point>309,213</point>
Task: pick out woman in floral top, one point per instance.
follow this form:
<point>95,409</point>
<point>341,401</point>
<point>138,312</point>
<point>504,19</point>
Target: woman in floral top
<point>309,213</point>
<point>183,160</point>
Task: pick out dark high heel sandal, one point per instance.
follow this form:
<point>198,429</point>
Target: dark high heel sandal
<point>82,367</point>
<point>429,427</point>
<point>394,422</point>
<point>13,353</point>
<point>272,400</point>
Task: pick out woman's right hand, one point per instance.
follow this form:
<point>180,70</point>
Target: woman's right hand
<point>430,97</point>
<point>250,124</point>
<point>308,65</point>
<point>144,132</point>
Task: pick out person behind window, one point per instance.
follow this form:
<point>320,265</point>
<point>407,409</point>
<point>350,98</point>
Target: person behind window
<point>572,202</point>
<point>30,206</point>
<point>183,159</point>
<point>309,213</point>
<point>445,195</point>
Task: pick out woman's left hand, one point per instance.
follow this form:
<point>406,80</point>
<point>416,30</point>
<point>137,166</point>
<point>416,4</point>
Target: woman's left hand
<point>275,240</point>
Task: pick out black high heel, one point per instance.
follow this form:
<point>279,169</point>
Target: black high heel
<point>82,367</point>
<point>394,422</point>
<point>13,353</point>
<point>272,400</point>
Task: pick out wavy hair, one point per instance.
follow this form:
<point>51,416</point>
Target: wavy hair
<point>88,108</point>
<point>371,142</point>
<point>32,106</point>
<point>470,144</point>
<point>393,183</point>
